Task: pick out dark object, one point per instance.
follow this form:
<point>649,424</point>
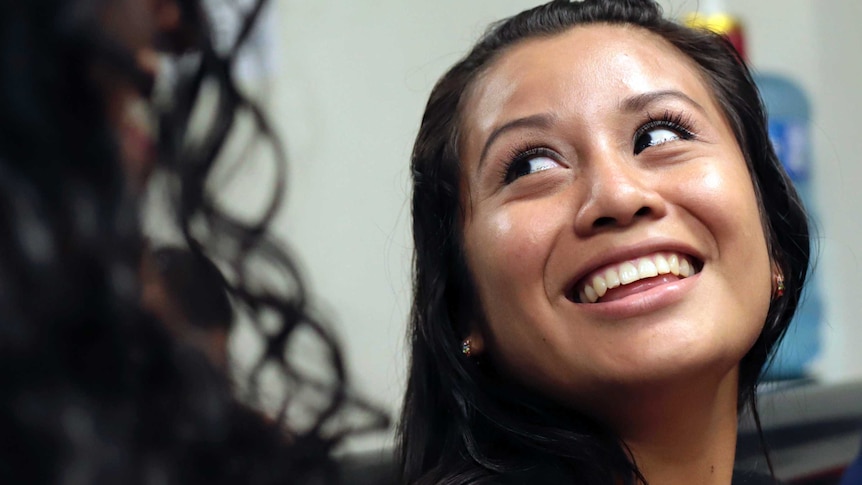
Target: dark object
<point>195,285</point>
<point>812,430</point>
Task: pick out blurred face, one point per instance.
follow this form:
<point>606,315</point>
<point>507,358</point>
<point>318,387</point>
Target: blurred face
<point>611,227</point>
<point>137,26</point>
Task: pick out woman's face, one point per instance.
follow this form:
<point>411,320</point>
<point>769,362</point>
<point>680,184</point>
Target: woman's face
<point>611,226</point>
<point>136,26</point>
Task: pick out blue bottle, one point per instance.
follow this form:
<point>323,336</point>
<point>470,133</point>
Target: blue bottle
<point>789,113</point>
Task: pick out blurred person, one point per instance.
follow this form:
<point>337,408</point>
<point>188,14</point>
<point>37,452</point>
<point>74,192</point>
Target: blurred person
<point>96,389</point>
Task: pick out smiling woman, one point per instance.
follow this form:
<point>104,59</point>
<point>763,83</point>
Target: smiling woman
<point>622,192</point>
<point>603,241</point>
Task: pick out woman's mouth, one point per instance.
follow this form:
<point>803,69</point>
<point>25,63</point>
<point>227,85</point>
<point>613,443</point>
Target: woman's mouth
<point>136,136</point>
<point>619,280</point>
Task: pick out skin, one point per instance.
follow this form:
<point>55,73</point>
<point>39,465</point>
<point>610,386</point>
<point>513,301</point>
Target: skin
<point>142,27</point>
<point>138,26</point>
<point>659,366</point>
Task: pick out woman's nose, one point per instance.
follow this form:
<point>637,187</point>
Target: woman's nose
<point>620,193</point>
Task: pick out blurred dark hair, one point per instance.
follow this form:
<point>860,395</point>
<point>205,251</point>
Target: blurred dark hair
<point>462,423</point>
<point>95,390</point>
<point>195,285</point>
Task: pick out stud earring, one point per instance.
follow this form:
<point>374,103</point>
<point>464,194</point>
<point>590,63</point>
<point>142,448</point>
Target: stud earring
<point>778,292</point>
<point>466,347</point>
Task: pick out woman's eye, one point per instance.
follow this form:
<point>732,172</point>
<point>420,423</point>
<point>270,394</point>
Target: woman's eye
<point>655,136</point>
<point>528,165</point>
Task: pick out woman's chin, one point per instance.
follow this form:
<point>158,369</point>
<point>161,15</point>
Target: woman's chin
<point>660,374</point>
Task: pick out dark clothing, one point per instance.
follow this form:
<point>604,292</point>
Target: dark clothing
<point>739,478</point>
<point>539,478</point>
<point>752,478</point>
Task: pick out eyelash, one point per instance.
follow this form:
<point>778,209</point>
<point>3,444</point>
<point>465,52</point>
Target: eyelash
<point>521,154</point>
<point>681,123</point>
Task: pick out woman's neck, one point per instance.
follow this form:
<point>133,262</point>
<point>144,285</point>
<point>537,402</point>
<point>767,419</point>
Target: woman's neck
<point>683,434</point>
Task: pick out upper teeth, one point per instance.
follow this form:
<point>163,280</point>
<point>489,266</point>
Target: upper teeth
<point>622,274</point>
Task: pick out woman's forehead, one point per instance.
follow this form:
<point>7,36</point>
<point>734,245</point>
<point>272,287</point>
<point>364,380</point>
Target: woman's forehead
<point>587,68</point>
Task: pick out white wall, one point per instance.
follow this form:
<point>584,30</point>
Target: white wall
<point>351,81</point>
<point>838,99</point>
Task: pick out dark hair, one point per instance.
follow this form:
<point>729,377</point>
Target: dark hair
<point>195,285</point>
<point>461,423</point>
<point>95,389</point>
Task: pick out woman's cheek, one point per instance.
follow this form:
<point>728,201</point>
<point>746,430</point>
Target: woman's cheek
<point>718,187</point>
<point>518,238</point>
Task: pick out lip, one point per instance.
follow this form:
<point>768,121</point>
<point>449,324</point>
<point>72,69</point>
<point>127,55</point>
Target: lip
<point>642,303</point>
<point>137,137</point>
<point>629,253</point>
<point>135,125</point>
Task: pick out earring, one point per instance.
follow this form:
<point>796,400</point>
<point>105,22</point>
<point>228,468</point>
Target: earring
<point>466,347</point>
<point>778,291</point>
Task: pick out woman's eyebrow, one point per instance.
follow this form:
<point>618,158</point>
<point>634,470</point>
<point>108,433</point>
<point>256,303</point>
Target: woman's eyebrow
<point>542,120</point>
<point>640,101</point>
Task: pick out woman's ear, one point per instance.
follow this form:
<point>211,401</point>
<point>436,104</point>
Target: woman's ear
<point>474,344</point>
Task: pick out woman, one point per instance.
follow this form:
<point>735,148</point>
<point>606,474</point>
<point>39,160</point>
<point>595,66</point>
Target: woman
<point>95,388</point>
<point>607,250</point>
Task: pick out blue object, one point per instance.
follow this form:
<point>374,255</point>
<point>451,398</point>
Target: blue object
<point>789,129</point>
<point>853,473</point>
